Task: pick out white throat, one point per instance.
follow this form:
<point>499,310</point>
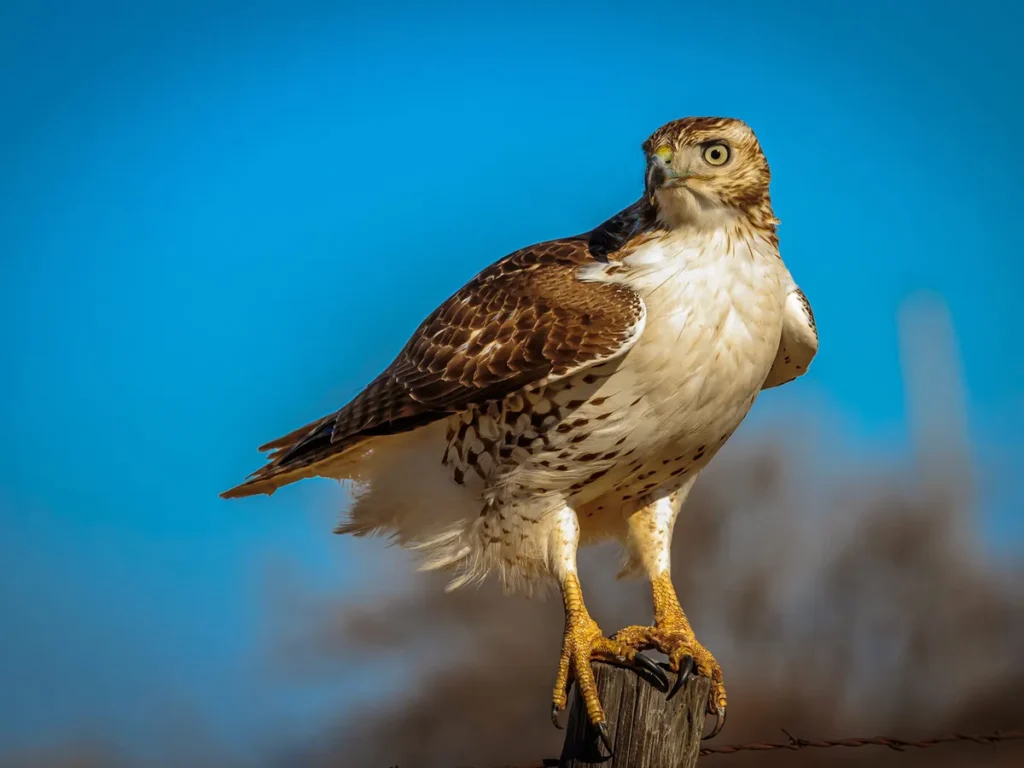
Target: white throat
<point>682,208</point>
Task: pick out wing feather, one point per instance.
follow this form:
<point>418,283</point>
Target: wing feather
<point>798,344</point>
<point>525,319</point>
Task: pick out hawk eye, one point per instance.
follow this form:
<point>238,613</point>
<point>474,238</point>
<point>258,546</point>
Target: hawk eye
<point>716,154</point>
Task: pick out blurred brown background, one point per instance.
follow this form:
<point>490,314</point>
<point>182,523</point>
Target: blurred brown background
<point>882,618</point>
<point>843,597</point>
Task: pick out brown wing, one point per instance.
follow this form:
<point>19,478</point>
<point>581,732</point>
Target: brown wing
<point>526,318</point>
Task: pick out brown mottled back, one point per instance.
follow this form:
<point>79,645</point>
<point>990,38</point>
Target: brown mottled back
<point>524,319</point>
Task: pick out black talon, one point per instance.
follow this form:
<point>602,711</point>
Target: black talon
<point>719,723</point>
<point>685,668</point>
<point>606,739</point>
<point>650,666</point>
<point>554,717</point>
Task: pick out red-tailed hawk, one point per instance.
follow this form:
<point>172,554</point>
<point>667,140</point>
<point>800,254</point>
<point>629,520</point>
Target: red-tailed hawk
<point>573,391</point>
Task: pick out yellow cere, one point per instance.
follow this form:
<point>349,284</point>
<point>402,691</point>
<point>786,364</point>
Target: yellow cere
<point>664,153</point>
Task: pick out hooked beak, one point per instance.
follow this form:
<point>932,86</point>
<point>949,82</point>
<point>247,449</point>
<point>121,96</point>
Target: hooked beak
<point>659,174</point>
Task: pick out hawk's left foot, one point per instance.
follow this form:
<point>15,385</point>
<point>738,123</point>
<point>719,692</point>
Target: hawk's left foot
<point>675,639</point>
<point>673,636</point>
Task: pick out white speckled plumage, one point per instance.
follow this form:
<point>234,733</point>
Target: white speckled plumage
<point>573,391</point>
<point>715,307</point>
<point>700,315</point>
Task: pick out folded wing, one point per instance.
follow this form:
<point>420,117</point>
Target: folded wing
<point>799,342</point>
<point>525,319</point>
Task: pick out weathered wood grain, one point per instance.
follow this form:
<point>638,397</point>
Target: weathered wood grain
<point>648,729</point>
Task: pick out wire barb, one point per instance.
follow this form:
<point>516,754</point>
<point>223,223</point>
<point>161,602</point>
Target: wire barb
<point>795,743</point>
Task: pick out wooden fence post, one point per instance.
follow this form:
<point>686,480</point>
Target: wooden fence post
<point>648,729</point>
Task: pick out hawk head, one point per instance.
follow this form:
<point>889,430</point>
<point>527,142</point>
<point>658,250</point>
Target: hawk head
<point>702,169</point>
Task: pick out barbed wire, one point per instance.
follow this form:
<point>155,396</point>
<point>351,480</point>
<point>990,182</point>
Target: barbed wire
<point>795,743</point>
<point>899,745</point>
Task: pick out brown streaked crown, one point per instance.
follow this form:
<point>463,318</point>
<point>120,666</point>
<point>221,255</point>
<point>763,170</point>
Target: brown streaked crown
<point>742,182</point>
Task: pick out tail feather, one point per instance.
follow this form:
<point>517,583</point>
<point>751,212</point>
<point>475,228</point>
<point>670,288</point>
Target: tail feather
<point>286,465</point>
<point>265,481</point>
<point>294,437</point>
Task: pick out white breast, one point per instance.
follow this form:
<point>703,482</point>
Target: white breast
<point>715,305</point>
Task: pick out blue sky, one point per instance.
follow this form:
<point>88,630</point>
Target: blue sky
<point>219,220</point>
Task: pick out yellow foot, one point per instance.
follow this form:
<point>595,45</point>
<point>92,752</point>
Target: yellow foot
<point>673,637</point>
<point>582,642</point>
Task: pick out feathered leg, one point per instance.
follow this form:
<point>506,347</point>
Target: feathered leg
<point>583,639</point>
<point>650,542</point>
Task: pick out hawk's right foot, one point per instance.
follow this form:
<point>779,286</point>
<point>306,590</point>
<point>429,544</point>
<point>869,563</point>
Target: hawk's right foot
<point>582,642</point>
